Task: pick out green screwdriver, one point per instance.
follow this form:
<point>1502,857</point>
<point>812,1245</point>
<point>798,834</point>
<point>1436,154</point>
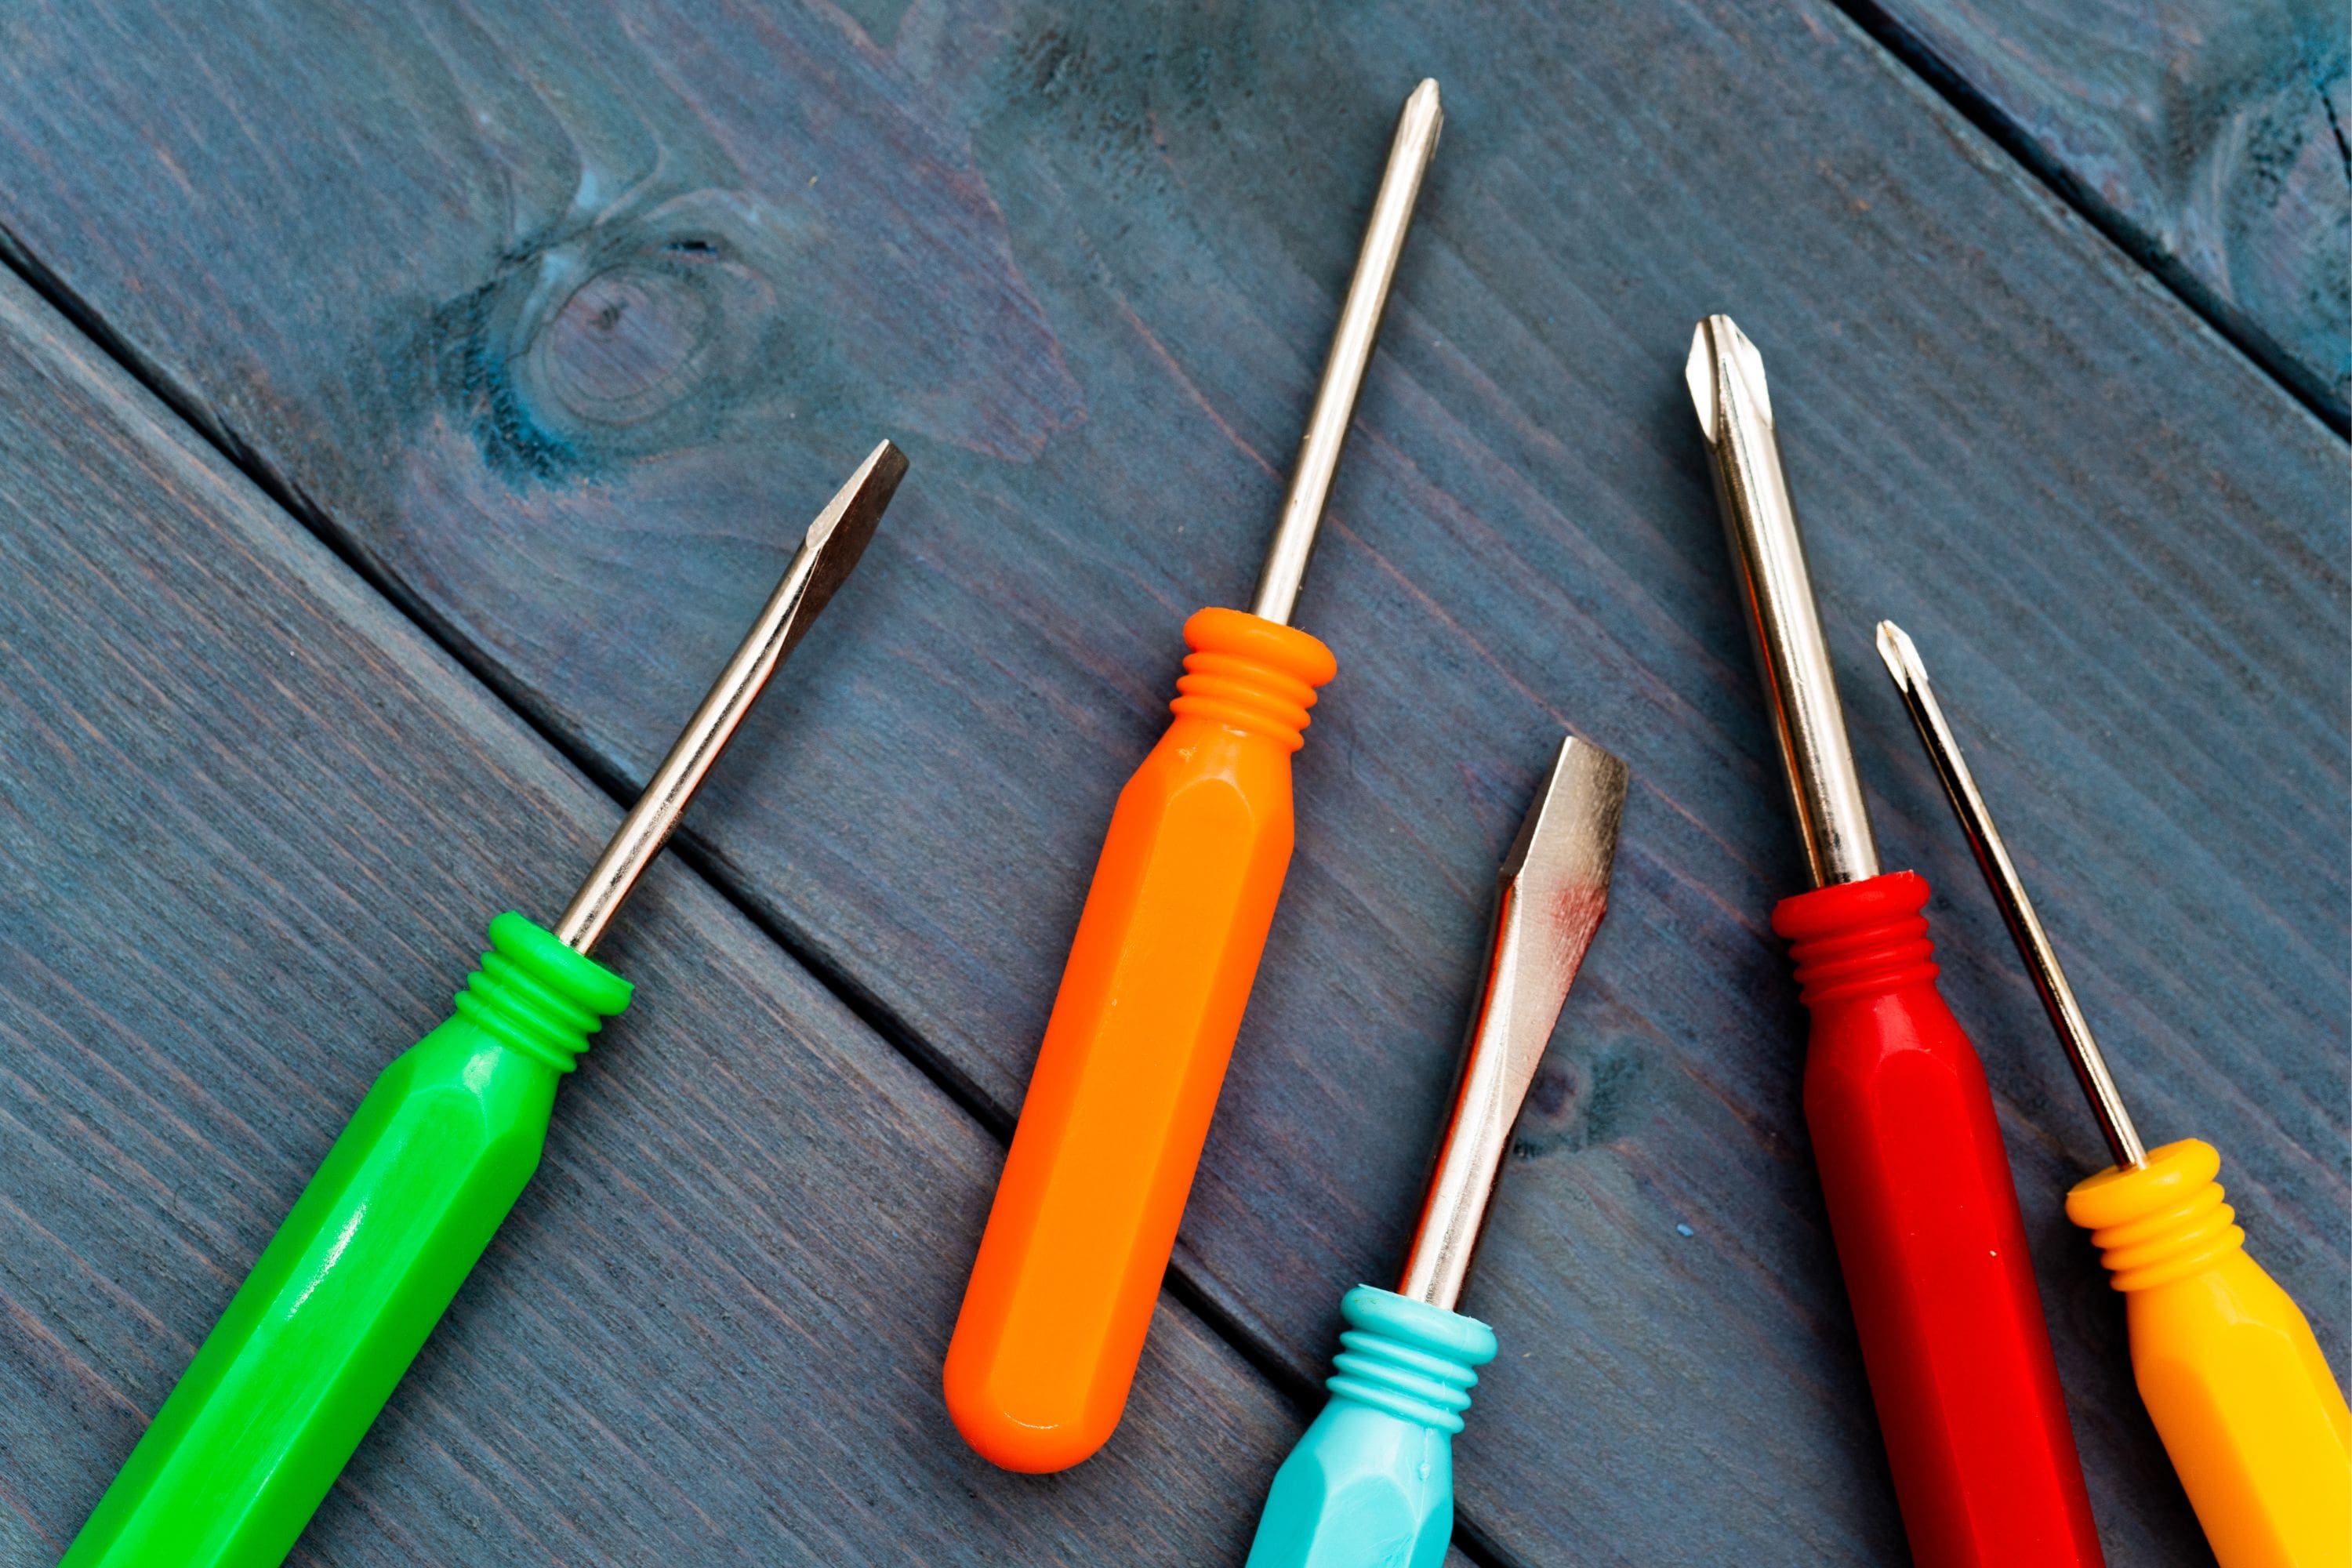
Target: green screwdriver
<point>340,1300</point>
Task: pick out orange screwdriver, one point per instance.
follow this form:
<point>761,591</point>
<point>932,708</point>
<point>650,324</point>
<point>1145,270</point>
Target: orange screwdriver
<point>1167,947</point>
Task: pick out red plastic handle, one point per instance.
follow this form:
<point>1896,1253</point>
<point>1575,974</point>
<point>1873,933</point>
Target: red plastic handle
<point>1933,1247</point>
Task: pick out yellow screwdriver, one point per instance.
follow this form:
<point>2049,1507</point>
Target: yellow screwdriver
<point>2239,1389</point>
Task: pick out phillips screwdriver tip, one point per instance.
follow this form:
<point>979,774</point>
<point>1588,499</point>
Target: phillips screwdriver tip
<point>1726,375</point>
<point>1901,657</point>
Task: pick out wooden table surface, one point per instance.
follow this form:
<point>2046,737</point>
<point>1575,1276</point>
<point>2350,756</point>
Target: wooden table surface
<point>402,407</point>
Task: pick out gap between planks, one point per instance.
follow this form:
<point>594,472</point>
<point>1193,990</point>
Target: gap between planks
<point>1911,52</point>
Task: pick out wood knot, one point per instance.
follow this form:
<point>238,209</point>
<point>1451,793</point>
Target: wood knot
<point>623,335</point>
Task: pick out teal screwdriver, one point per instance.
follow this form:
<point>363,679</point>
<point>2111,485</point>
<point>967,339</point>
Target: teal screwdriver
<point>342,1300</point>
<point>1370,1484</point>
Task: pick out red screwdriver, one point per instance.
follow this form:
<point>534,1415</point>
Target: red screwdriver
<point>1916,1181</point>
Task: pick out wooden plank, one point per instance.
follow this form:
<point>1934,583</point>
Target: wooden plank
<point>1083,260</point>
<point>2209,135</point>
<point>252,827</point>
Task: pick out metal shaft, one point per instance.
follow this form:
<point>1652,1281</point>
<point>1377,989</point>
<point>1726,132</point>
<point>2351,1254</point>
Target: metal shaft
<point>833,545</point>
<point>1553,890</point>
<point>2009,891</point>
<point>1351,350</point>
<point>1735,413</point>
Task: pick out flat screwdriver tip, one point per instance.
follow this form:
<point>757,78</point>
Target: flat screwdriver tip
<point>830,548</point>
<point>838,535</point>
<point>1572,825</point>
<point>874,481</point>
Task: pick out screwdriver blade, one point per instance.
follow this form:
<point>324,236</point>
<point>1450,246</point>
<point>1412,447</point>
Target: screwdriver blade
<point>828,551</point>
<point>1418,124</point>
<point>1552,890</point>
<point>1728,388</point>
<point>1901,657</point>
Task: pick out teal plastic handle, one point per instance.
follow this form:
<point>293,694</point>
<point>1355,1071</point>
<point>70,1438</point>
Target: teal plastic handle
<point>340,1300</point>
<point>1370,1484</point>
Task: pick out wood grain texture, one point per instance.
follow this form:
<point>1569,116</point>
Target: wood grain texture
<point>560,327</point>
<point>2213,136</point>
<point>252,827</point>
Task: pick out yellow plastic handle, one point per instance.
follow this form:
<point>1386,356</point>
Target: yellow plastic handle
<point>2238,1387</point>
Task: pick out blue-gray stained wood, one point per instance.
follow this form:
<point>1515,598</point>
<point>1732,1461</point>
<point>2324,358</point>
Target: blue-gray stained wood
<point>252,826</point>
<point>558,330</point>
<point>2212,137</point>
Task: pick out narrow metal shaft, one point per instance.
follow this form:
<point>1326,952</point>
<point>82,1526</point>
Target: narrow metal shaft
<point>2009,891</point>
<point>832,546</point>
<point>1552,891</point>
<point>1735,413</point>
<point>1351,350</point>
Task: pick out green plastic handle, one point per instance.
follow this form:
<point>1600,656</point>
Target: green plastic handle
<point>340,1300</point>
<point>1370,1484</point>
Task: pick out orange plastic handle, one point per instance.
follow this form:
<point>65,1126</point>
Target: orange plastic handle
<point>1118,1107</point>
